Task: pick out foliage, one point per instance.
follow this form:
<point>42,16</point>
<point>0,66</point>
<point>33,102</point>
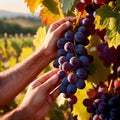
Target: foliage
<point>12,28</point>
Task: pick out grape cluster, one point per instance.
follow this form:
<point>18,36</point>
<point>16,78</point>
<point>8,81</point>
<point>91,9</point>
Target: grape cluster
<point>110,56</point>
<point>73,60</point>
<point>102,103</point>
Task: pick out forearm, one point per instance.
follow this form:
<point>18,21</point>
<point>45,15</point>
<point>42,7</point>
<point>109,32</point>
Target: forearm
<point>18,114</point>
<point>17,78</point>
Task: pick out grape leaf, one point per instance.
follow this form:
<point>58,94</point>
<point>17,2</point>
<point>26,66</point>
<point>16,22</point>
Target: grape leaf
<point>113,31</point>
<point>32,4</point>
<point>51,11</point>
<point>27,51</point>
<point>40,36</point>
<point>79,109</point>
<point>66,5</point>
<point>110,19</point>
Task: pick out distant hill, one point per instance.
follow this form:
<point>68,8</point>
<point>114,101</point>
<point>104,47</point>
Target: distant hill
<point>7,14</point>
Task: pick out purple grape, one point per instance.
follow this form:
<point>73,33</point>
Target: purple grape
<point>79,37</point>
<point>62,89</point>
<point>87,22</point>
<point>61,52</point>
<point>84,60</point>
<point>84,30</point>
<point>82,73</point>
<point>87,102</point>
<point>69,47</point>
<point>75,62</point>
<point>69,55</point>
<point>69,35</point>
<point>80,84</point>
<point>66,66</point>
<point>62,59</point>
<point>61,42</point>
<point>72,78</point>
<point>61,74</point>
<point>71,89</point>
<point>55,63</point>
<point>72,99</point>
<point>65,81</point>
<point>80,50</point>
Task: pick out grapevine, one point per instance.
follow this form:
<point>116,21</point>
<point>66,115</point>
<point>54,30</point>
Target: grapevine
<point>74,61</point>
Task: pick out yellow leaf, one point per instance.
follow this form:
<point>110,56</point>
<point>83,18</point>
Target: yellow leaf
<point>41,33</point>
<point>51,12</point>
<point>79,109</point>
<point>33,4</point>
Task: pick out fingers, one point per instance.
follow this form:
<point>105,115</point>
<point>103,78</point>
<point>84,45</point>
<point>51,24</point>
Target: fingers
<point>43,78</point>
<point>55,25</point>
<point>71,19</point>
<point>55,94</point>
<point>51,84</point>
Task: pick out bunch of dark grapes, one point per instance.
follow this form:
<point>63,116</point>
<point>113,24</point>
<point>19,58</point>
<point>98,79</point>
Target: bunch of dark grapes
<point>104,104</point>
<point>110,56</point>
<point>73,61</point>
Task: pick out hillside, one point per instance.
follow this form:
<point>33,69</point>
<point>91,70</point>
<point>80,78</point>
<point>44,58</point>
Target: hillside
<point>7,14</point>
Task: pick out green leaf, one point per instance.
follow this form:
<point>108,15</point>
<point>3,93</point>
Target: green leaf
<point>66,5</point>
<point>110,19</point>
<point>105,13</point>
<point>113,31</point>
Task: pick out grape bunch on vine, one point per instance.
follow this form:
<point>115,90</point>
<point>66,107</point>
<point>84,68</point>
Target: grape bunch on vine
<point>74,61</point>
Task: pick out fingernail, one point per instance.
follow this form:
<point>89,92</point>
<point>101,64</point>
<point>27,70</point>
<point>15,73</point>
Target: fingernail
<point>68,23</point>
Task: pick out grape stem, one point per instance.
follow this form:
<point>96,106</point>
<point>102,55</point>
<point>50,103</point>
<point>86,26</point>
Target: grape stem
<point>110,88</point>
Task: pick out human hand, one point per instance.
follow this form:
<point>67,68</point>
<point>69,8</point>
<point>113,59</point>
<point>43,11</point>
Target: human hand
<point>40,95</point>
<point>55,31</point>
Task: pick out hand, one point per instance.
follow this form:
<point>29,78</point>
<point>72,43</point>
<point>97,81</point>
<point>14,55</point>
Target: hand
<point>54,33</point>
<point>40,95</point>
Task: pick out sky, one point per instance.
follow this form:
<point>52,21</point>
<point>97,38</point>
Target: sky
<point>14,6</point>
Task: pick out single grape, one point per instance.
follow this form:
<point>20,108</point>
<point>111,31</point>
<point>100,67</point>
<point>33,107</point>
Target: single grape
<point>66,66</point>
<point>69,47</point>
<point>55,63</point>
<point>75,62</point>
<point>80,49</point>
<point>65,81</point>
<point>80,6</point>
<point>61,42</point>
<point>61,52</point>
<point>91,93</point>
<point>69,35</point>
<point>72,99</point>
<point>84,60</point>
<point>61,74</point>
<point>79,37</point>
<point>62,89</point>
<point>82,73</point>
<point>62,59</point>
<point>87,22</point>
<point>70,55</point>
<point>72,78</point>
<point>80,84</point>
<point>71,89</point>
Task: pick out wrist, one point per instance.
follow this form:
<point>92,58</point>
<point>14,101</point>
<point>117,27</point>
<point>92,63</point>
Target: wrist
<point>23,114</point>
<point>48,54</point>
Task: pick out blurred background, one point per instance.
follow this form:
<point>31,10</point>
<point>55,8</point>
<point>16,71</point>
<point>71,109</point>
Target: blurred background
<point>20,34</point>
